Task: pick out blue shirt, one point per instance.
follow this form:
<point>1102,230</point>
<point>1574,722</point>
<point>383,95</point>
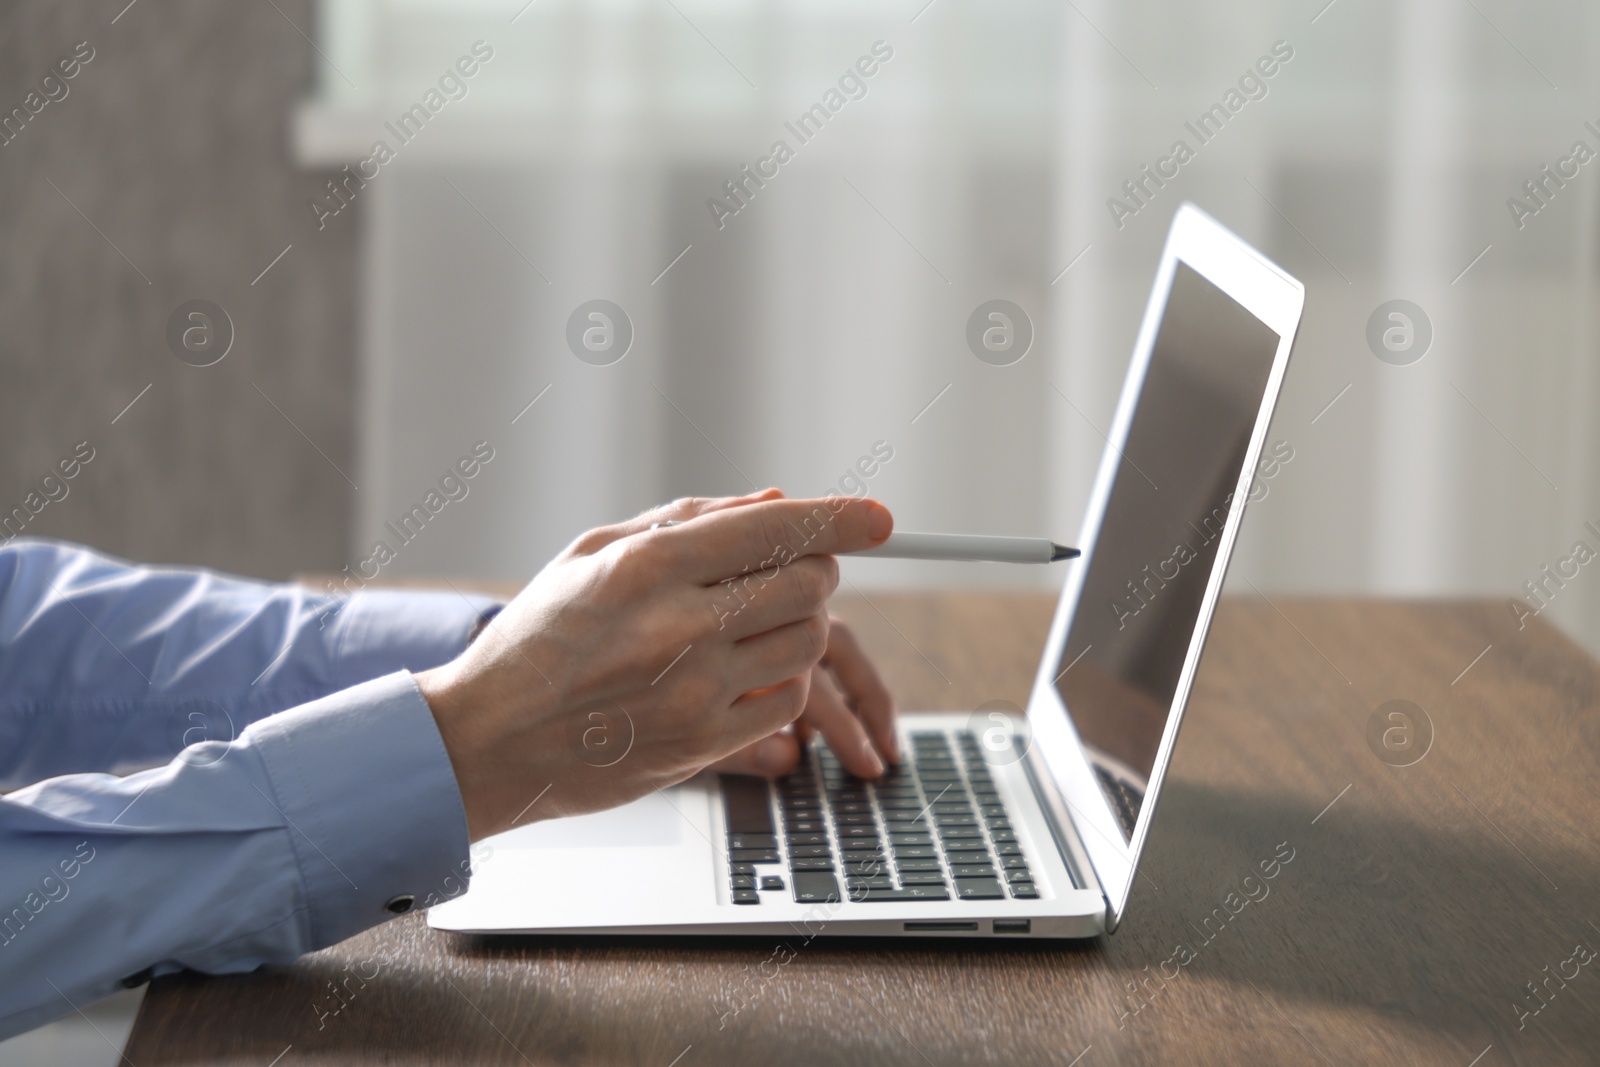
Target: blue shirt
<point>207,772</point>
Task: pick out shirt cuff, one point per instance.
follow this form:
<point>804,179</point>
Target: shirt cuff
<point>371,804</point>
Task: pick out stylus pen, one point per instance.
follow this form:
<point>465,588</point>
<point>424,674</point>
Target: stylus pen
<point>969,547</point>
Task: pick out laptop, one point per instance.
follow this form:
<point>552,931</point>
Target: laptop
<point>993,826</point>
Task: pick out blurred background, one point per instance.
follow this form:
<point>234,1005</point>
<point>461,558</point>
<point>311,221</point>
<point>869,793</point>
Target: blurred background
<point>436,295</point>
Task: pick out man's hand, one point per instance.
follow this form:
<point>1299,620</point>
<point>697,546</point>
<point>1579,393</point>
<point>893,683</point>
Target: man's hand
<point>638,657</point>
<point>849,706</point>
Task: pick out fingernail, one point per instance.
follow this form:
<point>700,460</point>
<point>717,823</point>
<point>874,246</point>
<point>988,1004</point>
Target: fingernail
<point>879,521</point>
<point>772,755</point>
<point>873,759</point>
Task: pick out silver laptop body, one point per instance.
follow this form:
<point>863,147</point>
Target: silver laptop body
<point>994,827</point>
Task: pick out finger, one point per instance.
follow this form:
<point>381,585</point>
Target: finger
<point>680,510</point>
<point>764,712</point>
<point>772,657</point>
<point>863,688</point>
<point>825,710</point>
<point>759,601</point>
<point>772,756</point>
<point>771,533</point>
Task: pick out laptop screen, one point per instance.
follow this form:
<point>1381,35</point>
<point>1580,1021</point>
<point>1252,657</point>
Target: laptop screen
<point>1157,544</point>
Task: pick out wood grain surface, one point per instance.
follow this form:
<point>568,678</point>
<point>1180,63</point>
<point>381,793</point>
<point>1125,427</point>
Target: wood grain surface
<point>1426,912</point>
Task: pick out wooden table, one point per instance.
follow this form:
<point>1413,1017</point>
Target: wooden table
<point>1419,902</point>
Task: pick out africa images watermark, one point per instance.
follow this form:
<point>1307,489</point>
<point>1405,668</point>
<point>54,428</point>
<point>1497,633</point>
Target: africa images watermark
<point>1143,990</point>
<point>1542,588</point>
<point>453,486</point>
<point>1536,1002</point>
<point>852,85</point>
<point>52,489</point>
<point>53,888</point>
<point>852,485</point>
<point>1141,189</point>
<point>53,89</point>
<point>1143,590</point>
<point>1542,188</point>
<point>341,191</point>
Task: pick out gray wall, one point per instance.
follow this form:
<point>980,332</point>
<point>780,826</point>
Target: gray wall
<point>173,142</point>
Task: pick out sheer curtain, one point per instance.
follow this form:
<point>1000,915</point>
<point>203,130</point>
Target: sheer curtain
<point>781,343</point>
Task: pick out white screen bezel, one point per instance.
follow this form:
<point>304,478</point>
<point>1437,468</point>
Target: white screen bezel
<point>1277,299</point>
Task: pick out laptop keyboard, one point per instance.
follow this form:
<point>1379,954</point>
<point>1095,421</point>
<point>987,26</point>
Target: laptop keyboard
<point>1126,798</point>
<point>933,828</point>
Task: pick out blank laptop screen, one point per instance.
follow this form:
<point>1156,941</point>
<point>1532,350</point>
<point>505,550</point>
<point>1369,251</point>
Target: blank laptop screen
<point>1157,543</point>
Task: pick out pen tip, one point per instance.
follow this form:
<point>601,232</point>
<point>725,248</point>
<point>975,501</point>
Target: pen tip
<point>1060,552</point>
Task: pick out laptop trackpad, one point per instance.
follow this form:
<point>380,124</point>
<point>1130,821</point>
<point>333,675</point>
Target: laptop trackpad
<point>627,867</point>
<point>650,820</point>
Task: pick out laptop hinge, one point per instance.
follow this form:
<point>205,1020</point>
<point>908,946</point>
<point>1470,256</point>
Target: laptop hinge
<point>1063,828</point>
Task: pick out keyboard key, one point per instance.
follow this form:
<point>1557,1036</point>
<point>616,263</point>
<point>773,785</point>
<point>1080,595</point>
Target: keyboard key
<point>1013,862</point>
<point>979,889</point>
<point>1024,891</point>
<point>854,818</point>
<point>808,838</point>
<point>858,859</point>
<point>858,831</point>
<point>973,870</point>
<point>746,896</point>
<point>745,804</point>
<point>772,881</point>
<point>992,811</point>
<point>808,826</point>
<point>998,824</point>
<point>753,855</point>
<point>872,882</point>
<point>752,840</point>
<point>910,892</point>
<point>1004,835</point>
<point>816,863</point>
<point>862,844</point>
<point>742,881</point>
<point>899,838</point>
<point>915,852</point>
<point>956,858</point>
<point>1023,875</point>
<point>742,868</point>
<point>815,887</point>
<point>917,865</point>
<point>797,851</point>
<point>922,878</point>
<point>962,833</point>
<point>1007,848</point>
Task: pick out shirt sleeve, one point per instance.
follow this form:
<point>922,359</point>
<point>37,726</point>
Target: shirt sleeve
<point>314,825</point>
<point>111,666</point>
<point>253,837</point>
